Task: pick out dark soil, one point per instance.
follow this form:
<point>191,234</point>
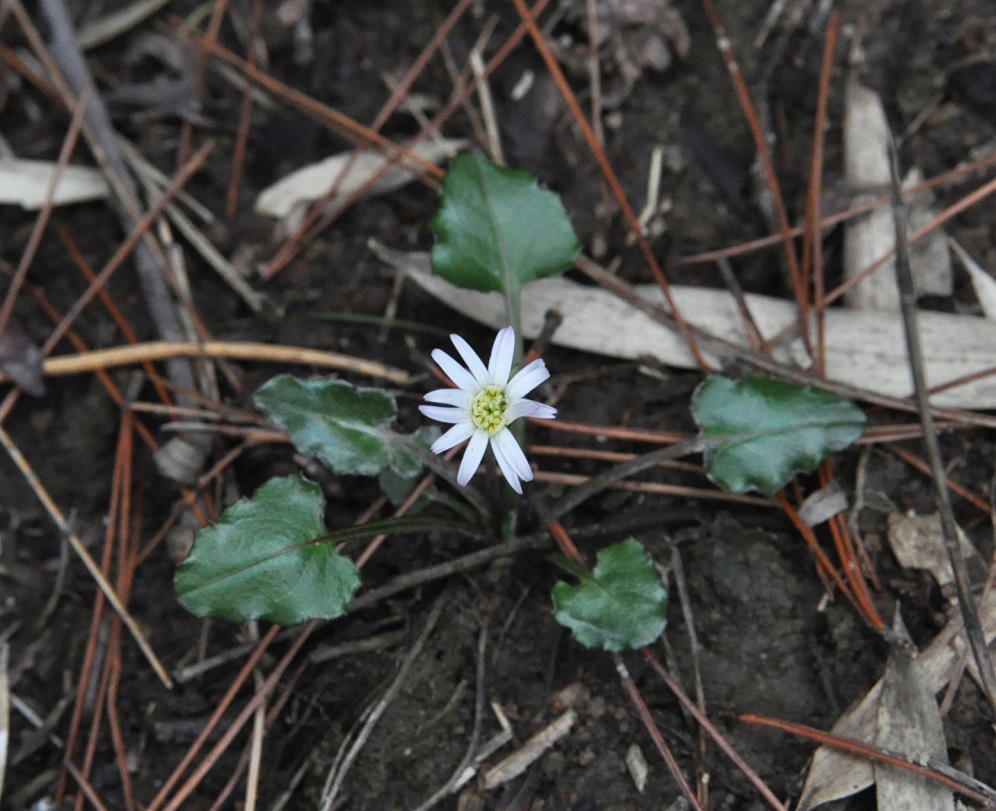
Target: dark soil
<point>770,643</point>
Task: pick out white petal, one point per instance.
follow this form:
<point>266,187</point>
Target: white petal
<point>501,356</point>
<point>527,379</point>
<point>444,414</point>
<point>454,371</point>
<point>507,472</point>
<point>474,363</point>
<point>529,408</point>
<point>457,434</point>
<point>453,397</point>
<point>472,457</point>
<point>511,459</point>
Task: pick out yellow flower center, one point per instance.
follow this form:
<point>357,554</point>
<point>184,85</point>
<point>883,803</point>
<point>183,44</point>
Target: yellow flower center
<point>488,409</point>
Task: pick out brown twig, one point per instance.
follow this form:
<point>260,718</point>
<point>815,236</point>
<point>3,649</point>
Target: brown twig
<point>761,145</point>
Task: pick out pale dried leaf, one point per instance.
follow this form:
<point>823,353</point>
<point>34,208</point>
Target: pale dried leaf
<point>917,543</point>
<point>636,763</point>
<point>309,183</point>
<point>835,774</point>
<point>533,749</point>
<point>983,282</point>
<point>823,504</point>
<point>866,171</point>
<point>863,349</point>
<point>871,236</point>
<point>909,723</point>
<point>25,183</point>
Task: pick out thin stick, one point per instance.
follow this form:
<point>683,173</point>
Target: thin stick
<point>84,784</point>
<point>65,56</point>
<point>621,471</point>
<point>658,488</point>
<point>695,648</point>
<point>949,529</point>
<point>258,729</point>
<point>812,255</point>
<point>231,350</point>
<point>914,461</point>
<point>219,710</point>
<point>261,694</point>
<point>245,117</point>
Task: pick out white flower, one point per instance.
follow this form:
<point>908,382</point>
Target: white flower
<point>483,405</point>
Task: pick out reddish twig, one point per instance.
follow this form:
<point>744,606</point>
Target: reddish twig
<point>812,246</point>
<point>245,116</point>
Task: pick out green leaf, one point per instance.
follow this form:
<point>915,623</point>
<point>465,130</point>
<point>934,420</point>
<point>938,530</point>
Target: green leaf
<point>269,558</point>
<point>619,605</point>
<point>346,426</point>
<point>785,428</point>
<point>497,229</point>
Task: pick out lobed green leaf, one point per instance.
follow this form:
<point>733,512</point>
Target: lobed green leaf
<point>346,426</point>
<point>621,604</point>
<point>782,429</point>
<point>268,558</point>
